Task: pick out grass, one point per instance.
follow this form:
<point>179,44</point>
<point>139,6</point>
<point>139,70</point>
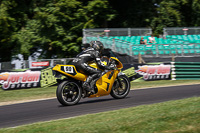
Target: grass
<point>27,94</point>
<point>160,83</point>
<point>180,116</point>
<point>19,70</point>
<point>48,92</point>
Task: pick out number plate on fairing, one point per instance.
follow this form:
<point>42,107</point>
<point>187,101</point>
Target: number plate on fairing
<point>68,69</point>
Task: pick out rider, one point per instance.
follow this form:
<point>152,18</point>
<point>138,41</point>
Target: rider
<point>90,54</point>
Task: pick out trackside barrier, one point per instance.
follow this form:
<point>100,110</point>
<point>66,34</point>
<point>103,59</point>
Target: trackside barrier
<point>185,70</point>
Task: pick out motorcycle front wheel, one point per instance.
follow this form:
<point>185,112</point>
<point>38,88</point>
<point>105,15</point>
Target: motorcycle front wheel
<point>121,87</point>
<point>68,93</point>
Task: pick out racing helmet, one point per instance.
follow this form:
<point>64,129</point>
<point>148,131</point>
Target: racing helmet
<point>97,45</point>
<point>85,46</point>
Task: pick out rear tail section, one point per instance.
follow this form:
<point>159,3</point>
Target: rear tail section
<point>70,70</point>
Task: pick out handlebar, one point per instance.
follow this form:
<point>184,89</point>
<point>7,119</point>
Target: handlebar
<point>113,62</point>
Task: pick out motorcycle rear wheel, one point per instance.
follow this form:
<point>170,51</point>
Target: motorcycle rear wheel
<point>120,92</point>
<point>69,93</point>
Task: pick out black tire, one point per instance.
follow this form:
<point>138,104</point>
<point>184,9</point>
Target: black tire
<point>68,93</point>
<point>118,92</point>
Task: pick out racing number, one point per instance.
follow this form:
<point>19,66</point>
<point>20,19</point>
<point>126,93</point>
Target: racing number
<point>68,69</point>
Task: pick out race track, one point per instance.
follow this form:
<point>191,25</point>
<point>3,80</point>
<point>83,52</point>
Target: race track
<point>26,113</point>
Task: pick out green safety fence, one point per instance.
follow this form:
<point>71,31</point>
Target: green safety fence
<point>186,73</point>
<point>187,66</point>
<point>185,70</point>
<point>186,63</point>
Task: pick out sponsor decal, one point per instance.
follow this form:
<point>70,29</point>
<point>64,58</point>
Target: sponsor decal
<point>130,73</point>
<point>39,64</point>
<point>11,80</point>
<point>150,72</point>
<point>47,78</point>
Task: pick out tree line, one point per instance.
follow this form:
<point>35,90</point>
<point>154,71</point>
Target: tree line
<point>53,28</point>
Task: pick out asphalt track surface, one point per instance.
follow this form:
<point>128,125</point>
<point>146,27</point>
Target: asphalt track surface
<point>45,110</point>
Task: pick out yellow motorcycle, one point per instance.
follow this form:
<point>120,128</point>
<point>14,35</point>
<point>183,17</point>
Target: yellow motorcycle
<point>70,90</point>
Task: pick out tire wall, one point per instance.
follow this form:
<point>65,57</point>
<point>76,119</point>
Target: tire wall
<point>148,71</point>
<point>185,70</point>
<point>135,72</point>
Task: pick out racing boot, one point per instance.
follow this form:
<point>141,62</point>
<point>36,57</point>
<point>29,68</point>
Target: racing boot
<point>89,84</point>
<point>87,87</point>
<point>96,77</point>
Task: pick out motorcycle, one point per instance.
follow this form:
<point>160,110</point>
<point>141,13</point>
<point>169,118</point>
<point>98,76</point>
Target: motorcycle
<point>70,90</point>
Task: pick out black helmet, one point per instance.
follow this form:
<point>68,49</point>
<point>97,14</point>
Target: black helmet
<point>97,45</point>
<point>85,45</point>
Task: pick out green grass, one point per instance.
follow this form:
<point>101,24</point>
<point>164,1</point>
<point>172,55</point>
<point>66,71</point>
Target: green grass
<point>180,116</point>
<point>19,70</point>
<point>48,92</point>
<point>27,94</point>
<point>159,83</point>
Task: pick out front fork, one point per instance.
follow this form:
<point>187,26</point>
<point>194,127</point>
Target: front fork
<point>119,81</point>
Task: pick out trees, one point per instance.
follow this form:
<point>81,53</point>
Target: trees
<point>54,27</point>
<point>51,27</point>
<point>133,13</point>
<point>7,27</point>
<point>51,30</point>
<point>178,13</point>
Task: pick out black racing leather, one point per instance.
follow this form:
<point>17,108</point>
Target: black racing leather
<point>82,60</point>
<point>86,56</point>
